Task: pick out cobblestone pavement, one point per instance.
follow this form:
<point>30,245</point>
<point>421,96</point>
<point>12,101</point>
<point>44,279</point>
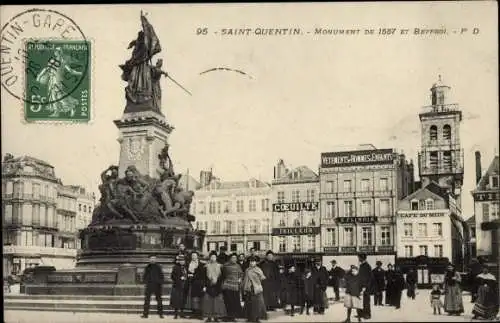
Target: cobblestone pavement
<point>411,311</point>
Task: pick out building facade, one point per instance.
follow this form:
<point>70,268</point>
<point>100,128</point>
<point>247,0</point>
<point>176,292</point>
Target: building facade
<point>487,214</point>
<point>234,214</point>
<point>359,193</point>
<point>296,233</point>
<point>35,231</point>
<point>427,233</point>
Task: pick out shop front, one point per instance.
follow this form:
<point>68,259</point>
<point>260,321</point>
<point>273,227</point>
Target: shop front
<point>430,270</point>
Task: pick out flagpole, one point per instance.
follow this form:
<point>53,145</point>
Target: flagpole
<point>167,75</point>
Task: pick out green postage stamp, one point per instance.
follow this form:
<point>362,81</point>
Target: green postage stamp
<point>57,80</point>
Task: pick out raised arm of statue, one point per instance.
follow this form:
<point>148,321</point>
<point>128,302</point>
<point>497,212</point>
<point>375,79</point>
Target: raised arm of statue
<point>132,44</point>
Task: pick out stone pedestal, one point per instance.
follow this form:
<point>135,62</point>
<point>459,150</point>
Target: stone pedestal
<point>142,137</point>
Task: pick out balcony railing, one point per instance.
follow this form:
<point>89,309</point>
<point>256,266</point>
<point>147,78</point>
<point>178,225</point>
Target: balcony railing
<point>437,108</point>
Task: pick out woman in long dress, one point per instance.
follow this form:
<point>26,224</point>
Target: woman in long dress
<point>194,286</point>
<point>453,302</point>
<point>232,277</point>
<point>213,303</point>
<point>255,308</point>
<point>486,305</point>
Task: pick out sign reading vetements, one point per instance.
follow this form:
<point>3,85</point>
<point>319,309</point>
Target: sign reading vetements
<point>357,157</point>
<point>296,231</point>
<point>295,207</point>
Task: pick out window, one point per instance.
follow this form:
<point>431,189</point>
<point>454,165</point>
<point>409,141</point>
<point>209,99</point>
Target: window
<point>433,132</point>
<point>447,132</point>
<point>423,250</point>
<point>18,189</point>
<point>8,214</point>
<point>84,208</point>
<point>429,204</point>
<point>366,208</point>
<point>254,227</point>
<point>494,181</point>
<point>226,227</point>
<point>330,209</point>
<point>347,186</point>
<point>202,207</point>
<point>311,242</point>
<point>241,226</point>
<point>79,207</point>
<point>367,236</point>
<point>36,214</point>
<point>348,237</point>
<point>422,229</point>
<point>252,206</point>
<point>385,236</point>
<point>437,229</point>
<point>281,197</point>
<point>421,205</point>
<point>310,195</point>
<point>265,204</point>
<point>348,211</point>
<point>329,187</point>
<point>282,221</point>
<point>408,229</point>
<point>295,196</point>
<point>212,227</point>
<point>296,222</point>
<point>211,208</point>
<point>36,190</point>
<point>384,208</point>
<point>282,244</point>
<point>447,159</point>
<point>414,205</point>
<point>384,184</point>
<point>239,206</point>
<point>486,212</point>
<point>433,158</point>
<point>311,222</point>
<point>494,210</point>
<point>227,206</point>
<point>219,209</point>
<point>365,185</point>
<point>331,237</point>
<point>438,250</point>
<point>408,251</point>
<point>296,243</point>
<point>265,226</point>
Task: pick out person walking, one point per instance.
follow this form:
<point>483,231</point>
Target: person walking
<point>398,285</point>
<point>231,281</point>
<point>353,294</point>
<point>255,308</point>
<point>213,302</point>
<point>389,288</point>
<point>453,302</point>
<point>179,277</point>
<point>378,283</point>
<point>335,275</point>
<point>194,286</point>
<point>320,276</point>
<point>411,283</point>
<point>271,284</point>
<point>365,275</point>
<point>153,279</point>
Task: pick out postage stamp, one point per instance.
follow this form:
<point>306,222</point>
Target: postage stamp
<point>57,86</point>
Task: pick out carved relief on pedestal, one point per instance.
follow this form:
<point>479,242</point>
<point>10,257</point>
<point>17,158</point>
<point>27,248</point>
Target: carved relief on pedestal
<point>135,147</point>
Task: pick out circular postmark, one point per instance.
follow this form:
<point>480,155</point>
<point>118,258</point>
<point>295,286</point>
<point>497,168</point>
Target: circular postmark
<point>45,59</point>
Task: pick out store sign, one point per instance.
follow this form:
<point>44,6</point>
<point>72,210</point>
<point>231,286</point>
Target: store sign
<point>295,231</point>
<point>295,207</point>
<point>358,219</point>
<point>330,249</point>
<point>421,215</point>
<point>357,158</point>
<point>492,196</point>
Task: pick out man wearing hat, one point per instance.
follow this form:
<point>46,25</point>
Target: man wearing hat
<point>335,275</point>
<point>365,275</point>
<point>153,280</point>
<point>378,283</point>
<point>271,284</point>
<point>320,277</point>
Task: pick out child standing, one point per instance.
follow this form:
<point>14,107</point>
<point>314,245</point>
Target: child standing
<point>308,294</point>
<point>353,291</point>
<point>436,299</point>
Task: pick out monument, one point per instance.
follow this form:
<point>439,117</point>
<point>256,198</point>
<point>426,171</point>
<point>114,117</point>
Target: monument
<point>143,210</point>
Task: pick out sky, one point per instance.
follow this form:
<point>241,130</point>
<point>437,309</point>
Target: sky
<point>307,93</point>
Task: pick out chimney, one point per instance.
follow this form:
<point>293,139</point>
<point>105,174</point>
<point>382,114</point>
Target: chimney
<point>478,166</point>
<point>205,177</point>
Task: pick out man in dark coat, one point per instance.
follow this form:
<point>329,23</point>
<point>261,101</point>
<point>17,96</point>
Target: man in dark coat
<point>153,280</point>
<point>320,278</point>
<point>389,288</point>
<point>398,283</point>
<point>335,275</point>
<point>271,284</point>
<point>378,283</point>
<point>242,261</point>
<point>179,277</point>
<point>411,283</point>
<point>366,277</point>
<point>222,257</point>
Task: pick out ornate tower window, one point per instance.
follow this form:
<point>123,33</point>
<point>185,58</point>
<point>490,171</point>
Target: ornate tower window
<point>433,132</point>
<point>447,132</point>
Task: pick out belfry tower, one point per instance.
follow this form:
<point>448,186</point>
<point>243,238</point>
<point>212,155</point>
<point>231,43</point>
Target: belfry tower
<point>441,158</point>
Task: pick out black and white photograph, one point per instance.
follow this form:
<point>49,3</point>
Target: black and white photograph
<point>250,162</point>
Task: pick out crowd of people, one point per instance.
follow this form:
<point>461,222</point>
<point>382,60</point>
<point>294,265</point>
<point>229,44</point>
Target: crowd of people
<point>227,287</point>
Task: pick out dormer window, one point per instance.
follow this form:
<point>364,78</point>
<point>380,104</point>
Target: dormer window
<point>414,205</point>
<point>494,181</point>
<point>429,204</point>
